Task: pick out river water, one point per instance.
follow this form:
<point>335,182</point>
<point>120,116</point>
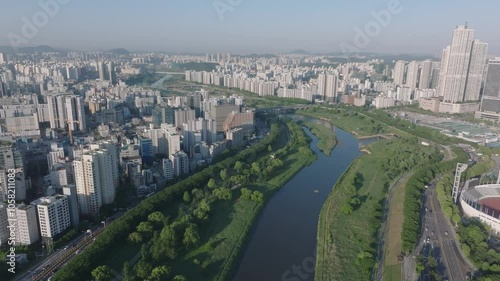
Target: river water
<point>282,243</point>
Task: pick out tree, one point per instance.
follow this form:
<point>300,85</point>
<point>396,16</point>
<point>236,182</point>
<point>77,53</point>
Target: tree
<point>102,273</point>
<point>255,168</point>
<point>269,148</point>
<point>211,184</point>
<point>135,237</point>
<point>246,193</point>
<point>186,197</point>
<point>257,196</point>
<point>127,272</point>
<point>191,236</point>
<point>145,227</point>
<point>142,269</point>
<point>238,166</point>
<point>159,273</point>
<point>223,193</point>
<point>346,209</point>
<point>223,174</point>
<point>157,218</point>
<point>179,278</point>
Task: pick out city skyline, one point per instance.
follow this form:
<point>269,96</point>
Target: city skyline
<point>225,28</point>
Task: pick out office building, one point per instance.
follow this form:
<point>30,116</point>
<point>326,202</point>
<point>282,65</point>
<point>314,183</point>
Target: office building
<point>10,159</point>
<point>146,150</point>
<point>56,155</point>
<point>163,114</point>
<point>490,104</point>
<point>180,163</point>
<point>168,169</point>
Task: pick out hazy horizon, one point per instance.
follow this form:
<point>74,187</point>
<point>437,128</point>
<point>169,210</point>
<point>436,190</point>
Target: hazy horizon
<point>420,27</point>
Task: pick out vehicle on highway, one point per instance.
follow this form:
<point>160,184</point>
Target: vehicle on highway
<point>446,233</point>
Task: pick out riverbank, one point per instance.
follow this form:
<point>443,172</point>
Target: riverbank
<point>231,221</point>
<point>327,138</point>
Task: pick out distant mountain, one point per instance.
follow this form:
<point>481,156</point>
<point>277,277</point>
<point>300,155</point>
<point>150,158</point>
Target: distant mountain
<point>119,51</point>
<point>267,56</point>
<point>299,52</point>
<point>29,50</point>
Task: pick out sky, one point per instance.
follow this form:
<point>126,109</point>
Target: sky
<point>249,26</point>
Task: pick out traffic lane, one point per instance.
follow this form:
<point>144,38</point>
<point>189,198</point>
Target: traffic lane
<point>455,267</point>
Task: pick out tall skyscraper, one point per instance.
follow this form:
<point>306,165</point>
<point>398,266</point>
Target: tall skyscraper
<point>425,75</point>
<point>101,68</point>
<point>328,85</point>
<point>412,75</point>
<point>398,75</point>
<point>111,73</point>
<point>460,67</point>
<point>491,93</point>
<point>95,180</point>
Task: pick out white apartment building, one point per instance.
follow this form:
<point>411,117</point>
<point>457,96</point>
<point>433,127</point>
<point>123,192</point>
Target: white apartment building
<point>462,67</point>
<point>27,226</point>
<point>383,102</point>
<point>53,215</point>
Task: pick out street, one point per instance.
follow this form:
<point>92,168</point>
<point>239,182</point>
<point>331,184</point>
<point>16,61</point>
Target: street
<point>437,239</point>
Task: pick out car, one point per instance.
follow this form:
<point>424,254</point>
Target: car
<point>446,233</point>
<point>65,248</point>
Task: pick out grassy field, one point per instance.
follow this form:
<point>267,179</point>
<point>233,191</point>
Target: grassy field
<point>393,272</point>
<point>327,139</point>
<point>356,123</point>
<point>343,251</point>
<point>395,227</point>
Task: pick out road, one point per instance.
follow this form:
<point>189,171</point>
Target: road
<point>438,240</point>
<point>45,269</point>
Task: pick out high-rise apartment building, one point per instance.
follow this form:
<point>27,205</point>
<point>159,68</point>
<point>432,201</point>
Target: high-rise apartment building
<point>328,86</point>
<point>95,180</point>
<point>462,67</point>
<point>67,111</point>
<point>27,226</point>
<point>425,79</point>
<point>412,75</point>
<point>398,75</point>
<point>53,215</point>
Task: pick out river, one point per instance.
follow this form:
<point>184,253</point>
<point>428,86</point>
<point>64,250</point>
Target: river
<point>282,244</point>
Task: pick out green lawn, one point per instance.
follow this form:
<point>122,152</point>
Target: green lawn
<point>327,139</point>
<point>122,255</point>
<point>393,273</point>
<point>342,249</point>
<point>393,243</point>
